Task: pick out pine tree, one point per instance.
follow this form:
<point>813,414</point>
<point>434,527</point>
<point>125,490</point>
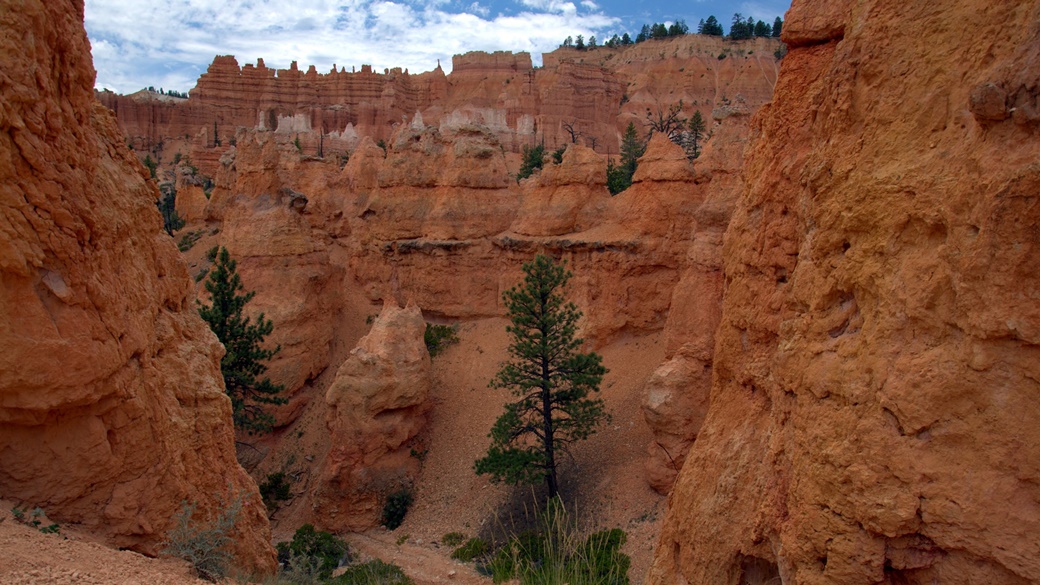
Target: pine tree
<point>167,204</point>
<point>533,159</point>
<point>579,43</point>
<point>619,177</point>
<point>626,40</point>
<point>242,364</point>
<point>778,25</point>
<point>762,29</point>
<point>695,133</point>
<point>711,27</point>
<point>550,378</point>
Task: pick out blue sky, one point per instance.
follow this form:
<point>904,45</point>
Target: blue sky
<point>169,44</point>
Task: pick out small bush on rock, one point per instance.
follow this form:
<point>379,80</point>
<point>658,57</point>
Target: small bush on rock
<point>438,337</point>
<point>309,545</point>
<point>373,573</point>
<point>204,544</point>
<point>473,549</point>
<point>395,508</point>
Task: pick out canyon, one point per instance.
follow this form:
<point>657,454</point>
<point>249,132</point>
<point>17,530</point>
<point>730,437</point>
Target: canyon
<point>822,332</point>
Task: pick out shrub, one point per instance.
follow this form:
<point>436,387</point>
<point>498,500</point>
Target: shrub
<point>275,489</point>
<point>395,508</point>
<point>211,254</point>
<point>558,554</point>
<point>473,549</point>
<point>438,337</point>
<point>453,539</point>
<point>310,546</point>
<point>532,160</point>
<point>557,155</point>
<point>204,544</point>
<point>373,573</point>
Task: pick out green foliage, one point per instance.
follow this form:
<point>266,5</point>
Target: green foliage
<point>150,164</point>
<point>453,539</point>
<point>473,549</point>
<point>189,240</point>
<point>202,274</point>
<point>204,544</point>
<point>762,29</point>
<point>532,159</point>
<point>619,177</point>
<point>373,573</point>
<point>395,508</point>
<point>167,205</point>
<point>381,144</point>
<point>242,364</point>
<point>438,337</point>
<point>211,254</point>
<point>34,520</point>
<point>275,489</point>
<point>710,27</point>
<point>557,155</point>
<point>296,143</point>
<point>740,28</point>
<point>313,548</point>
<point>558,553</point>
<point>550,378</point>
<point>778,25</point>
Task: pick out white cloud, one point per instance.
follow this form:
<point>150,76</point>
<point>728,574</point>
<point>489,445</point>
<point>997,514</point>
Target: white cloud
<point>137,44</point>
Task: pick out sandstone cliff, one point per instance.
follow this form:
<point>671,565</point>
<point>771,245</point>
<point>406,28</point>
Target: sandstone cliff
<point>596,93</point>
<point>112,409</point>
<point>872,418</point>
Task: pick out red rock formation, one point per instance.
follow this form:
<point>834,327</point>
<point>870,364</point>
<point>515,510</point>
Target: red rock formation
<point>873,413</point>
<point>595,92</point>
<point>112,409</point>
<point>377,404</point>
<point>676,399</point>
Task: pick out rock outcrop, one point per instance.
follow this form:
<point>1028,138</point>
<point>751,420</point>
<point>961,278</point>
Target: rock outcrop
<point>377,404</point>
<point>676,399</point>
<point>112,408</point>
<point>594,93</point>
<point>872,418</point>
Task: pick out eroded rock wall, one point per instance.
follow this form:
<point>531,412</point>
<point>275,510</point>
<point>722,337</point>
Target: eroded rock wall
<point>112,408</point>
<point>872,418</point>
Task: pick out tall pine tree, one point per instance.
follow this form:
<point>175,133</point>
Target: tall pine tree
<point>242,364</point>
<point>550,378</point>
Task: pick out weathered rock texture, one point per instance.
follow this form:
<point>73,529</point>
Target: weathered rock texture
<point>377,404</point>
<point>112,409</point>
<point>873,416</point>
<point>676,398</point>
<point>595,92</point>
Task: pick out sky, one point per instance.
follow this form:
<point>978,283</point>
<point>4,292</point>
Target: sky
<point>168,44</point>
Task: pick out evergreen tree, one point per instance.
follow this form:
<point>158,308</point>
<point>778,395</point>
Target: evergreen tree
<point>619,177</point>
<point>711,27</point>
<point>532,160</point>
<point>592,42</point>
<point>568,42</point>
<point>658,31</point>
<point>626,40</point>
<point>549,376</point>
<point>778,25</point>
<point>241,365</point>
<point>167,204</point>
<point>644,33</point>
<point>678,28</point>
<point>579,43</point>
<point>695,133</point>
<point>762,29</point>
<point>739,29</point>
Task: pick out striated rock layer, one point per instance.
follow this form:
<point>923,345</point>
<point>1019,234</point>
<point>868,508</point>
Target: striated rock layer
<point>873,415</point>
<point>594,93</point>
<point>112,409</point>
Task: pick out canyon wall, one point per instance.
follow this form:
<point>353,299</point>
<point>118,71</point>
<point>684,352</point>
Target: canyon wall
<point>596,93</point>
<point>873,413</point>
<point>112,406</point>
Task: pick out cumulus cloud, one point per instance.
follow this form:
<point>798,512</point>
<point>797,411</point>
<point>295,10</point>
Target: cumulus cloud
<point>138,44</point>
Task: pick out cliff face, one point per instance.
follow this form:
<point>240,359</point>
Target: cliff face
<point>872,418</point>
<point>594,93</point>
<point>112,409</point>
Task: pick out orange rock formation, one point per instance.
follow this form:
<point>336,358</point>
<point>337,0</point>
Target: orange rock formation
<point>873,416</point>
<point>595,92</point>
<point>377,404</point>
<point>112,407</point>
